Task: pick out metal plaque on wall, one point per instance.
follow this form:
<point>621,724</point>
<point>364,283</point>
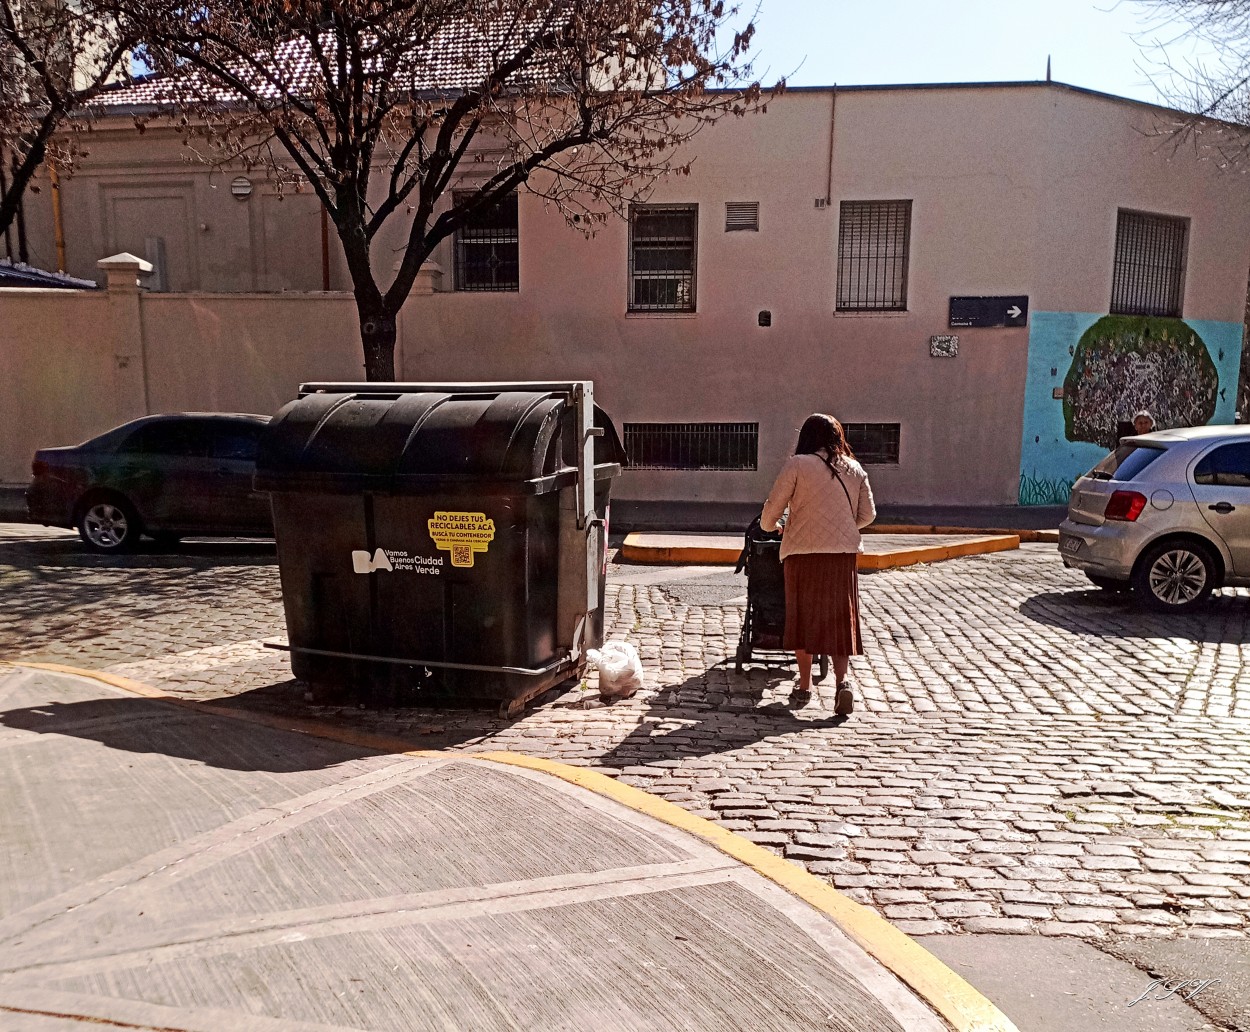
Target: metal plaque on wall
<point>990,311</point>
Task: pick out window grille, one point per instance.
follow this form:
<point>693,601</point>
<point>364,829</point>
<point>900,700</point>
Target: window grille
<point>873,242</point>
<point>1149,264</point>
<point>723,446</point>
<point>662,245</point>
<point>487,249</point>
<point>873,443</point>
<point>742,215</point>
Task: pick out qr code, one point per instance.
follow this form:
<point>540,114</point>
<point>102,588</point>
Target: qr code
<point>461,555</point>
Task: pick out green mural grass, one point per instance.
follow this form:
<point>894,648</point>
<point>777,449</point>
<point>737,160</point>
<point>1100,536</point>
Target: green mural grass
<point>1035,490</point>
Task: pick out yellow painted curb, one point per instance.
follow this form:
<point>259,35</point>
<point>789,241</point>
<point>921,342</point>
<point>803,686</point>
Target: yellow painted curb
<point>935,553</point>
<point>908,528</point>
<point>633,549</point>
<point>961,1005</point>
<point>982,543</point>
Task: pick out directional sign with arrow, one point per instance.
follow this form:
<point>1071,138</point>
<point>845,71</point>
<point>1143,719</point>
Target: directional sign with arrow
<point>990,311</point>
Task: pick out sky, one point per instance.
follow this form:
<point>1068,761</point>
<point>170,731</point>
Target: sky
<point>1105,45</point>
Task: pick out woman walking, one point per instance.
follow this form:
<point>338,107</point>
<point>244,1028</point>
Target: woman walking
<point>829,502</point>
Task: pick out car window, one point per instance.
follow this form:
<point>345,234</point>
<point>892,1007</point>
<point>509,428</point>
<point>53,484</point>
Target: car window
<point>236,442</point>
<point>1227,466</point>
<point>183,439</point>
<point>1126,462</point>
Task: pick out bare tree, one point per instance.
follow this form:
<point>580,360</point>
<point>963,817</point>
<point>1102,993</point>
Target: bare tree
<point>55,56</point>
<point>1211,92</point>
<point>382,106</point>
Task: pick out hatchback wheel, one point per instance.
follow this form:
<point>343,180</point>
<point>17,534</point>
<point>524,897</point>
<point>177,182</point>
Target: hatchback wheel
<point>108,524</point>
<point>1174,576</point>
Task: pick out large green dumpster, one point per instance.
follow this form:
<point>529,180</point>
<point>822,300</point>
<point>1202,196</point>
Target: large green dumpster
<point>441,544</point>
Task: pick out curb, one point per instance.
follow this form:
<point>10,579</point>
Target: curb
<point>1048,536</point>
<point>951,996</point>
<point>936,553</point>
<point>634,549</point>
<point>637,550</point>
<point>962,1006</point>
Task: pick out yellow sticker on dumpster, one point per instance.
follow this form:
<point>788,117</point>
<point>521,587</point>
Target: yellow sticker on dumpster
<point>462,534</point>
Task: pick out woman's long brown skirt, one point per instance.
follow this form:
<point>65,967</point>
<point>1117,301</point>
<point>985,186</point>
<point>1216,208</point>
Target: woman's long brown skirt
<point>822,604</point>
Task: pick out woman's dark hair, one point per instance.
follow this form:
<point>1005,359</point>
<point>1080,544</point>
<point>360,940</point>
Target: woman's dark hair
<point>822,431</point>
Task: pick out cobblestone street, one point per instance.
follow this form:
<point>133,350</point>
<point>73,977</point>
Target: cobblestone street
<point>1028,754</point>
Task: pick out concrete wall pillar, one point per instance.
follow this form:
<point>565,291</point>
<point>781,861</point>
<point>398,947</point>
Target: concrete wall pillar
<point>429,278</point>
<point>130,364</point>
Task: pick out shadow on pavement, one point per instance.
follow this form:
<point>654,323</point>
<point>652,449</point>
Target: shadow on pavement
<point>1224,618</point>
<point>680,721</point>
<point>145,726</point>
<point>218,739</point>
<point>199,553</point>
<point>55,590</point>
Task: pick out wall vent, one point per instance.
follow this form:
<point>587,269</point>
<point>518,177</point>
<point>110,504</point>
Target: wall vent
<point>742,215</point>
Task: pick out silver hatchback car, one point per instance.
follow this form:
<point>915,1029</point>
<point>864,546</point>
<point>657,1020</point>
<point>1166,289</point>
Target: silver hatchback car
<point>1167,514</point>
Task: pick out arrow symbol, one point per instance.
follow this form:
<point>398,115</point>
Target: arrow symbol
<point>1014,312</point>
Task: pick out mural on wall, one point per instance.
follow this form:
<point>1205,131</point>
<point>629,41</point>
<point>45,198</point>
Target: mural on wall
<point>1126,363</point>
<point>1089,373</point>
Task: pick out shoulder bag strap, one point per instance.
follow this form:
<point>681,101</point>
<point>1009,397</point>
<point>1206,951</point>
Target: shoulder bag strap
<point>834,473</point>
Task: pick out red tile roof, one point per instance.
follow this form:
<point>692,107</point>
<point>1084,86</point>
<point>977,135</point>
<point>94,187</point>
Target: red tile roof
<point>459,56</point>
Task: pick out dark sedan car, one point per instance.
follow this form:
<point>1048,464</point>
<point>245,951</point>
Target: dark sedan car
<point>165,476</point>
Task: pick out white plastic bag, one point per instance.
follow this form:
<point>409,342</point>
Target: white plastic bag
<point>620,669</point>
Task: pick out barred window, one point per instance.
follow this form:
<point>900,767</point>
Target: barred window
<point>873,242</point>
<point>1149,264</point>
<point>662,246</point>
<point>487,248</point>
<point>725,446</point>
<point>874,443</point>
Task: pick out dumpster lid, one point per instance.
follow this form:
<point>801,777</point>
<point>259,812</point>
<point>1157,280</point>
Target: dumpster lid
<point>399,437</point>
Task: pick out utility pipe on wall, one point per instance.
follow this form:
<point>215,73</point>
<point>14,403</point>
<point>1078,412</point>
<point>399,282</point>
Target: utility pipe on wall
<point>58,223</point>
<point>833,112</point>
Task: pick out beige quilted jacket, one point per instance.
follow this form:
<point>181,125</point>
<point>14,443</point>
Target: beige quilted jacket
<point>821,517</point>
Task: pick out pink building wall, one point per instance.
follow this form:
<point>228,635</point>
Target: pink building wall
<point>1014,190</point>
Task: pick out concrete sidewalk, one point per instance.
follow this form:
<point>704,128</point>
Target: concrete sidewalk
<point>187,867</point>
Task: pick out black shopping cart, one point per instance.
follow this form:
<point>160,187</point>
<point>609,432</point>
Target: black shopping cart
<point>765,618</point>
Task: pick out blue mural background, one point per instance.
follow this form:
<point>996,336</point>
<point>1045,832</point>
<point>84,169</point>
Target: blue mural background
<point>1049,462</point>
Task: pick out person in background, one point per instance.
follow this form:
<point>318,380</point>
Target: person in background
<point>829,501</point>
<point>1143,422</point>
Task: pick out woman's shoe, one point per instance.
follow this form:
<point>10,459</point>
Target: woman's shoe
<point>844,701</point>
<point>800,697</point>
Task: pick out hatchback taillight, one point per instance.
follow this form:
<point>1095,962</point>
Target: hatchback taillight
<point>1125,505</point>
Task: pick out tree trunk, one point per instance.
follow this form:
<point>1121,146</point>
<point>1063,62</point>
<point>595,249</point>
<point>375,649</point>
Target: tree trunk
<point>377,335</point>
<point>21,172</point>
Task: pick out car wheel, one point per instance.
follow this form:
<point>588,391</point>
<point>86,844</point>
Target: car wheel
<point>1107,583</point>
<point>1174,576</point>
<point>108,523</point>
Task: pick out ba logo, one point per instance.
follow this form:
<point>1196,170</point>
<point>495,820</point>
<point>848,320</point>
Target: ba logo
<point>362,563</point>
